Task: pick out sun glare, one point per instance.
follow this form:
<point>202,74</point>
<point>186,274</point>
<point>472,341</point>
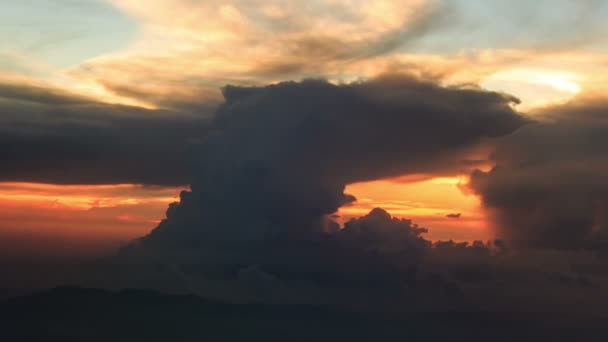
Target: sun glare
<point>536,87</point>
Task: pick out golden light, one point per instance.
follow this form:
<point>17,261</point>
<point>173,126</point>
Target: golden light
<point>536,87</point>
<point>428,202</point>
<point>68,220</point>
<point>85,197</point>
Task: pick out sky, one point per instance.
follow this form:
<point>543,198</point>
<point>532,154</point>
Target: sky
<point>175,56</point>
<point>235,131</point>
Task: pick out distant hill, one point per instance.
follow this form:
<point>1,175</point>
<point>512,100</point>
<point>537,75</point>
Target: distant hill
<point>77,314</point>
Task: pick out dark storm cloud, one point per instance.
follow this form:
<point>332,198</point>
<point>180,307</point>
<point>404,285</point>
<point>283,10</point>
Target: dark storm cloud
<point>282,155</point>
<point>385,127</point>
<point>376,263</point>
<point>550,185</point>
<point>54,137</point>
<point>274,166</point>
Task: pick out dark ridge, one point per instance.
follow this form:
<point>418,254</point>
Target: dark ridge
<point>78,314</point>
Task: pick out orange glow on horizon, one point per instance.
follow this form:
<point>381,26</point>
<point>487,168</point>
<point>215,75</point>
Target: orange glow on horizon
<point>77,220</point>
<point>426,202</point>
<point>83,197</point>
<point>95,218</point>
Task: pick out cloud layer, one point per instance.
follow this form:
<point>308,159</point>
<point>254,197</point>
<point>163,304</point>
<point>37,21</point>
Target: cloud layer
<point>50,136</point>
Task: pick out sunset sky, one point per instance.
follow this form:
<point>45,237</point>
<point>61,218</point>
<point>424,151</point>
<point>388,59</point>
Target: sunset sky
<point>295,170</point>
<point>102,64</point>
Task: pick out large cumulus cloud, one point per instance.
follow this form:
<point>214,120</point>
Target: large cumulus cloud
<point>279,157</point>
<point>273,168</point>
<point>550,185</point>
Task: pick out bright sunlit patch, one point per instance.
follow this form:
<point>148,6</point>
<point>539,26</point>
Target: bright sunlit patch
<point>446,180</point>
<point>564,81</point>
<point>536,87</point>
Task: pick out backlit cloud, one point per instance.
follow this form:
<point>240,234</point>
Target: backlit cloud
<point>49,135</point>
<point>548,188</point>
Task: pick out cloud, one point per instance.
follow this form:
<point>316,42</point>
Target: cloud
<point>251,43</point>
<point>541,25</point>
<point>50,136</point>
<point>453,216</point>
<point>260,42</point>
<point>282,155</point>
<point>375,264</point>
<point>548,188</point>
<point>273,168</point>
